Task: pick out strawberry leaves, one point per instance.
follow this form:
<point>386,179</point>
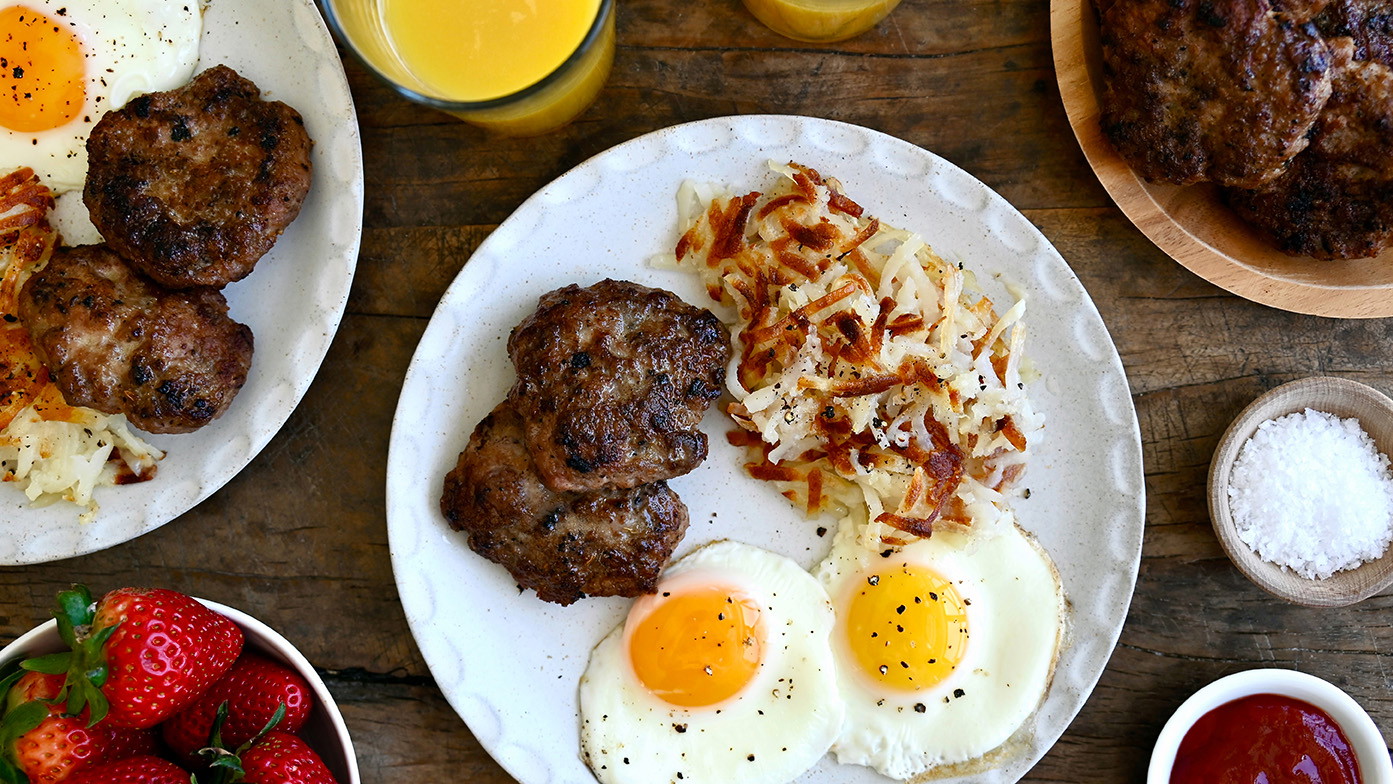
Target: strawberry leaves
<point>226,765</point>
<point>84,663</point>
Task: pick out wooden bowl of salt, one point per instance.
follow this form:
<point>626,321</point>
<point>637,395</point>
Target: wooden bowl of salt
<point>1261,504</point>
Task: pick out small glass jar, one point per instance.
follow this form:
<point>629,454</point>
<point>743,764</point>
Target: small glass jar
<point>545,105</point>
<point>820,21</point>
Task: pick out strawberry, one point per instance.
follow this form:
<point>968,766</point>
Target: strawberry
<point>144,769</point>
<point>140,655</point>
<point>48,747</point>
<point>253,689</point>
<point>31,687</point>
<point>282,758</point>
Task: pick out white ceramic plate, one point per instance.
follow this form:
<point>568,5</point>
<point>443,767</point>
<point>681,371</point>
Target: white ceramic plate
<point>509,663</point>
<point>292,302</point>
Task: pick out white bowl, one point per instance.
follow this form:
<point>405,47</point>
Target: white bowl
<point>324,731</point>
<point>1363,734</point>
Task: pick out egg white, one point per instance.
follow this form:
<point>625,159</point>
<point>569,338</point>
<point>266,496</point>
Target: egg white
<point>130,47</point>
<point>1015,617</point>
<point>772,731</point>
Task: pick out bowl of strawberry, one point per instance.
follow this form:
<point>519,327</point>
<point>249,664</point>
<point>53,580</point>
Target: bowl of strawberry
<point>149,686</point>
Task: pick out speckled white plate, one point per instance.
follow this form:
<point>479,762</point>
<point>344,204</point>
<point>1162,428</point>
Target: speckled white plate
<point>509,663</point>
<point>292,302</point>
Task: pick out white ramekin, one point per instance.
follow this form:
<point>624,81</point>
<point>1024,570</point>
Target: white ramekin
<point>324,731</point>
<point>1364,736</point>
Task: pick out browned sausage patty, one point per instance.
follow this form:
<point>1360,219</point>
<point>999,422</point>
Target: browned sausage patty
<point>1221,90</point>
<point>565,546</point>
<point>194,185</point>
<point>1368,22</point>
<point>171,361</point>
<point>1335,200</point>
<point>613,381</point>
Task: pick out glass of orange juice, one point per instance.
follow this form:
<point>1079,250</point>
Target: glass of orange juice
<point>519,67</point>
<point>820,21</point>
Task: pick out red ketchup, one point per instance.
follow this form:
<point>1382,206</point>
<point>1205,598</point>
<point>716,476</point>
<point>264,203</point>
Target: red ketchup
<point>1265,739</point>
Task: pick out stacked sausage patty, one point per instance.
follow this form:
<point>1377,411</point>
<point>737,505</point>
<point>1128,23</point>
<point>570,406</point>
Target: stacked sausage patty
<point>564,483</point>
<point>1199,90</point>
<point>189,188</point>
<point>1282,103</point>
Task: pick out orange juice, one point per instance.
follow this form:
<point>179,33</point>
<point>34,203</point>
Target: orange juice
<point>478,50</point>
<point>820,20</point>
<point>518,66</point>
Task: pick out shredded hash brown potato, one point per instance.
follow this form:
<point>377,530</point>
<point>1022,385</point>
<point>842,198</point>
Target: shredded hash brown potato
<point>54,450</point>
<point>872,374</point>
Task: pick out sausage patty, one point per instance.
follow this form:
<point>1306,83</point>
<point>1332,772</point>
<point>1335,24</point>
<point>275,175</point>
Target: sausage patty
<point>194,185</point>
<point>1368,22</point>
<point>171,361</point>
<point>613,381</point>
<point>1335,200</point>
<point>1221,90</point>
<point>565,546</point>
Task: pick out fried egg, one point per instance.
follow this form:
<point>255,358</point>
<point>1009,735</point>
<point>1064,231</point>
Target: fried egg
<point>724,676</point>
<point>65,63</point>
<point>944,647</point>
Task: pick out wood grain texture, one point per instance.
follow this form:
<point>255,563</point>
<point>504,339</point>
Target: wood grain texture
<point>1192,223</point>
<point>298,539</point>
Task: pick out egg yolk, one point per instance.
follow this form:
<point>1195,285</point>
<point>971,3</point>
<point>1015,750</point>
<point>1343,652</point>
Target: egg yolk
<point>698,648</point>
<point>907,627</point>
<point>42,84</point>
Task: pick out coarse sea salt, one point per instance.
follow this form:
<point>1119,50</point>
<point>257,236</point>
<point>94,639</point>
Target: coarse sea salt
<point>1311,492</point>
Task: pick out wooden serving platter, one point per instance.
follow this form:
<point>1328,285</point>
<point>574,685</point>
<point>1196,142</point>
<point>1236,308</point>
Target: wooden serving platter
<point>1191,223</point>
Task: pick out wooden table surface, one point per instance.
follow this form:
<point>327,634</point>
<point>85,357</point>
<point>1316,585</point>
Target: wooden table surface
<point>299,538</point>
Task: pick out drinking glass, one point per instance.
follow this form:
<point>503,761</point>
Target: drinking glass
<point>399,48</point>
<point>820,21</point>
